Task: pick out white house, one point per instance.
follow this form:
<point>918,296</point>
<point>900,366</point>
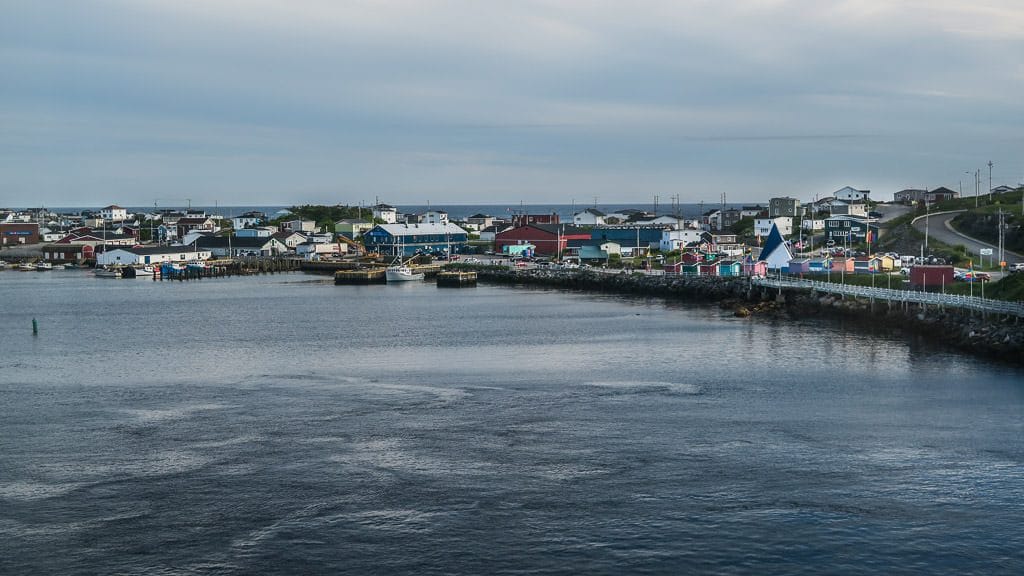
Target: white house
<point>434,217</point>
<point>150,255</point>
<point>776,250</point>
<point>671,221</point>
<point>113,213</point>
<point>222,246</point>
<point>812,225</point>
<point>264,232</point>
<point>763,226</point>
<point>677,239</point>
<point>386,213</point>
<point>851,194</point>
<point>588,217</point>
<point>299,225</point>
<point>849,209</point>
<point>248,220</point>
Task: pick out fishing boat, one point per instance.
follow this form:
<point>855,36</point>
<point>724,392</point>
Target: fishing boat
<point>3,265</point>
<point>43,266</point>
<point>141,272</point>
<point>58,266</point>
<point>401,273</point>
<point>27,267</point>
<point>108,272</point>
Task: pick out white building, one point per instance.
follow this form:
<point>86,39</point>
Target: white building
<point>763,226</point>
<point>851,194</point>
<point>812,225</point>
<point>588,217</point>
<point>434,217</point>
<point>386,213</point>
<point>299,225</point>
<point>318,250</point>
<point>150,255</point>
<point>671,221</point>
<point>113,213</point>
<point>677,239</point>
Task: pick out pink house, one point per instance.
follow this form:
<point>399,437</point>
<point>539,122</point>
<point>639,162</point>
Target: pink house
<point>841,264</point>
<point>753,267</point>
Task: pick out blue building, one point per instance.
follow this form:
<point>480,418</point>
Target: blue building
<point>409,239</point>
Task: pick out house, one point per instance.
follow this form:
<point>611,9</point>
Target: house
<point>65,253</point>
<point>915,195</point>
<point>729,268</point>
<point>711,220</point>
<point>433,217</point>
<point>784,206</point>
<point>726,244</point>
<point>16,233</point>
<point>352,228</point>
<point>231,247</point>
<point>113,213</point>
<point>850,230</point>
<point>186,225</point>
<point>265,232</point>
<point>290,238</point>
<point>677,239</point>
<point>481,221</point>
<point>1004,189</point>
<point>754,267</point>
<point>812,224</point>
<point>707,269</point>
<point>633,240</point>
<point>588,217</point>
<point>298,226</point>
<point>409,239</point>
<point>753,211</point>
<point>851,194</point>
<point>525,219</point>
<point>842,264</point>
<point>193,235</point>
<point>887,263</point>
<point>90,237</point>
<point>385,213</point>
<point>690,269</point>
<point>599,250</point>
<point>763,226</point>
<point>248,220</point>
<point>775,252</point>
<point>139,255</point>
<point>850,209</point>
<point>799,266</point>
<point>550,239</point>
<point>674,222</point>
<point>691,257</point>
<point>489,233</point>
<point>627,215</point>
<point>819,265</point>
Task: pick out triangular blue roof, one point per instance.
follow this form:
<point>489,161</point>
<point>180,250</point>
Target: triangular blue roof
<point>776,251</point>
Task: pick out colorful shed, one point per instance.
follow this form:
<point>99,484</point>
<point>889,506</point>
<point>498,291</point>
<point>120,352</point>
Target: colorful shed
<point>842,264</point>
<point>708,269</point>
<point>799,265</point>
<point>729,268</point>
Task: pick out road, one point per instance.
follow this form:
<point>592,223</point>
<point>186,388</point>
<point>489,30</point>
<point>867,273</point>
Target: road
<point>939,228</point>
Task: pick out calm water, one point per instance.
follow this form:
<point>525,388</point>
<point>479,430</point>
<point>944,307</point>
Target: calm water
<point>283,425</point>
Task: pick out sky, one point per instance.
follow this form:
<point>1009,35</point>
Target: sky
<point>260,102</point>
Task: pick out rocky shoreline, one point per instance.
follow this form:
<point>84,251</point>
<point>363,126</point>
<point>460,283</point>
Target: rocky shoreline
<point>988,335</point>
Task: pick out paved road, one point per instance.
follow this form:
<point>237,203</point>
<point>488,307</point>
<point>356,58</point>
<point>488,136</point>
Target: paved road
<point>940,229</point>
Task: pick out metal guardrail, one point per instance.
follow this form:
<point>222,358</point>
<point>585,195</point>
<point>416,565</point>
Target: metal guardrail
<point>902,296</point>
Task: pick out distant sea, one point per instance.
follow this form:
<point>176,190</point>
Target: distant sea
<point>455,211</point>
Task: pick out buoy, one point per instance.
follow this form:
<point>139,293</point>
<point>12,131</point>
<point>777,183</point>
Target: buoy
<point>35,327</point>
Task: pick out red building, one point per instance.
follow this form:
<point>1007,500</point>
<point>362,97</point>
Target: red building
<point>13,233</point>
<point>550,239</point>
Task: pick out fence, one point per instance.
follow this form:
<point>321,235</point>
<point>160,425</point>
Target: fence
<point>901,296</point>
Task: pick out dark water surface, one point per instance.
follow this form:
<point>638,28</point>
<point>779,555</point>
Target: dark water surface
<point>282,425</point>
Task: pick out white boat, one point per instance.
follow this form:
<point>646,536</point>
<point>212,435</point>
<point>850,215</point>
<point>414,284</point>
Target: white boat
<point>111,272</point>
<point>27,267</point>
<point>142,272</point>
<point>401,273</point>
<point>3,265</point>
<point>43,266</point>
<point>58,266</point>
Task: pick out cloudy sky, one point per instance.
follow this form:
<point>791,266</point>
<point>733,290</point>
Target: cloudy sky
<point>333,101</point>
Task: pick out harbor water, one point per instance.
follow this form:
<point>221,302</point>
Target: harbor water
<point>283,425</point>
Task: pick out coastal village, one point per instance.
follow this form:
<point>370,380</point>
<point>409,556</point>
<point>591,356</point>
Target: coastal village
<point>841,233</point>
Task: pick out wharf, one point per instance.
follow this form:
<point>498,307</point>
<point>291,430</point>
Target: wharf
<point>456,279</point>
<point>361,276</point>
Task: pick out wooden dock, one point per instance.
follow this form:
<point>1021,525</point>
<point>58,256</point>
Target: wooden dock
<point>455,279</point>
<point>361,276</point>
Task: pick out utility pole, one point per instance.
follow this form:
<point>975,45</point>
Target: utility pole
<point>990,179</point>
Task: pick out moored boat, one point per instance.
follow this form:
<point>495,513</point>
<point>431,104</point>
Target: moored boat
<point>43,266</point>
<point>402,273</point>
<point>27,267</point>
<point>108,272</point>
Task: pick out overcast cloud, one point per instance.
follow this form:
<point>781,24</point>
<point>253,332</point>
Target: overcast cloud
<point>260,102</point>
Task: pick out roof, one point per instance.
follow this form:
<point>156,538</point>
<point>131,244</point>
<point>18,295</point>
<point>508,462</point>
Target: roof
<point>113,207</point>
<point>593,211</point>
<point>235,241</point>
<point>192,220</point>
<point>563,229</point>
<point>352,221</point>
<point>408,229</point>
<point>479,216</point>
<point>150,250</point>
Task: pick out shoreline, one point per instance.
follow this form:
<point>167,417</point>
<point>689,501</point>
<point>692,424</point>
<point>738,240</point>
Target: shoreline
<point>987,335</point>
